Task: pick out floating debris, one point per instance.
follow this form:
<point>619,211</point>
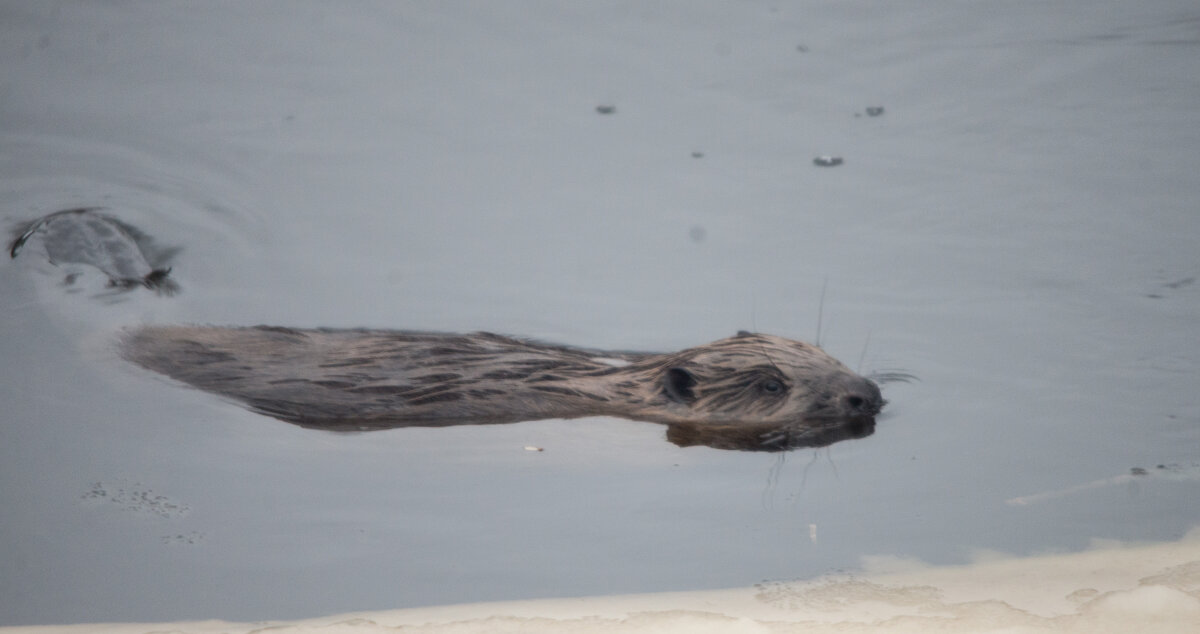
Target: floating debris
<point>874,111</point>
<point>189,539</point>
<point>532,448</point>
<point>1176,285</point>
<point>827,161</point>
<point>84,236</point>
<point>1170,472</point>
<point>606,108</point>
<point>136,498</point>
<point>697,154</point>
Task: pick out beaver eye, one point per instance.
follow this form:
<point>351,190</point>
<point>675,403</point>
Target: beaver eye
<point>771,386</point>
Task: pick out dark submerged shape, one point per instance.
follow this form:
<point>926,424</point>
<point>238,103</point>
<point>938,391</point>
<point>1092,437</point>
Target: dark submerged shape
<point>86,236</point>
<point>751,391</point>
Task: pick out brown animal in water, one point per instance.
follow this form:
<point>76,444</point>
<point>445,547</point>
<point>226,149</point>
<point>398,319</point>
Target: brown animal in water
<point>751,391</point>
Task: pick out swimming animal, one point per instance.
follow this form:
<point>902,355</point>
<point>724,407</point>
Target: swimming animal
<point>750,391</point>
<point>85,236</point>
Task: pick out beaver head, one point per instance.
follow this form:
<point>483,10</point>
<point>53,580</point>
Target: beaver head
<point>765,380</point>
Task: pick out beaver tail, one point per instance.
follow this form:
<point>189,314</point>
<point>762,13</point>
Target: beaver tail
<point>158,282</point>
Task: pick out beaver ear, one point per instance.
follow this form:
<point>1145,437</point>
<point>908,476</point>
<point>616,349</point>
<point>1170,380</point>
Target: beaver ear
<point>745,333</point>
<point>678,385</point>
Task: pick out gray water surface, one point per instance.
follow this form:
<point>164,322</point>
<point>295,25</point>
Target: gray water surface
<point>1018,229</point>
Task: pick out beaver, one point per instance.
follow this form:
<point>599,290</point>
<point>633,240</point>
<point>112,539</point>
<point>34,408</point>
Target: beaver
<point>750,391</point>
<point>86,236</point>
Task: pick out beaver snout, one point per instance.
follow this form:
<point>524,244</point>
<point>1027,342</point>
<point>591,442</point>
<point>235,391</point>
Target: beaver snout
<point>862,398</point>
<point>848,396</point>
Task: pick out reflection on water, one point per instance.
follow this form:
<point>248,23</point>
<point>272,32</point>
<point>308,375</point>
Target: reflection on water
<point>749,436</point>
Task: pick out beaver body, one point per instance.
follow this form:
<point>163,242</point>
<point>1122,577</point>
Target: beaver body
<point>754,386</point>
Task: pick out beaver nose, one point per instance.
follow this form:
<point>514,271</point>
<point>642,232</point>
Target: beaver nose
<point>862,398</point>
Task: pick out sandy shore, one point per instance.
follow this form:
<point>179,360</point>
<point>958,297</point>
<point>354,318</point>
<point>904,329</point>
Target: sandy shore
<point>1111,588</point>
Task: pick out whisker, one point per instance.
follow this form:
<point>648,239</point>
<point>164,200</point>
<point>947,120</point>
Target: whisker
<point>892,376</point>
<point>821,310</point>
<point>862,357</point>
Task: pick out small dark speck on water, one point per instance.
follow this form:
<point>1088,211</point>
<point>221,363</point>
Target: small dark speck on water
<point>827,161</point>
<point>606,108</point>
<point>1137,471</point>
<point>697,154</point>
<point>874,111</point>
<point>697,233</point>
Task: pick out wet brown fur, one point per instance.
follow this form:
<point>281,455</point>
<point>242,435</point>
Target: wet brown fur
<point>747,389</point>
